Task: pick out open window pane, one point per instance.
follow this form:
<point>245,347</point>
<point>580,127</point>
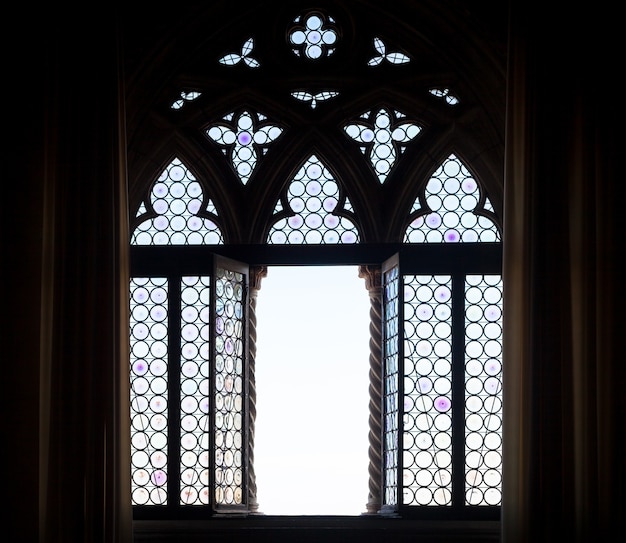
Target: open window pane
<point>442,402</point>
<point>188,343</point>
<point>229,383</point>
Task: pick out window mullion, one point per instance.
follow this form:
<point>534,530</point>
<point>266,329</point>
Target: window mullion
<point>174,384</point>
<point>458,391</point>
<point>211,390</point>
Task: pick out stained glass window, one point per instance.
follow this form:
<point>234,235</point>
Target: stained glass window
<point>318,213</point>
<point>312,36</point>
<point>230,342</point>
<point>382,135</point>
<point>244,56</point>
<point>391,382</point>
<point>185,97</point>
<point>445,94</point>
<point>188,364</point>
<point>316,168</point>
<point>149,383</point>
<point>313,99</point>
<point>483,389</point>
<point>194,389</point>
<point>427,439</point>
<point>173,215</point>
<point>447,358</point>
<point>201,380</point>
<point>244,137</point>
<point>449,377</point>
<point>395,57</point>
<point>452,200</point>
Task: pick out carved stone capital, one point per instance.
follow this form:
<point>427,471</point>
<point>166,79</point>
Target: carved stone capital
<point>257,273</point>
<point>372,276</point>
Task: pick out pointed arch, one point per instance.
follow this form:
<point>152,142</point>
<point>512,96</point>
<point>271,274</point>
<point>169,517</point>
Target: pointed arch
<point>313,210</point>
<point>176,212</point>
<point>452,207</point>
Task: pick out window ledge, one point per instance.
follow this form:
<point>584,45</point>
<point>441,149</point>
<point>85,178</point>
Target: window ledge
<point>305,529</point>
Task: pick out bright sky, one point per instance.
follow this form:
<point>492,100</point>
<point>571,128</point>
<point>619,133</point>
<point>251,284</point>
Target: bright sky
<point>312,380</point>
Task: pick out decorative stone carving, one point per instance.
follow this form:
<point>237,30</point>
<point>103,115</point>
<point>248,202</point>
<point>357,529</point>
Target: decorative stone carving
<point>372,276</point>
<point>257,273</point>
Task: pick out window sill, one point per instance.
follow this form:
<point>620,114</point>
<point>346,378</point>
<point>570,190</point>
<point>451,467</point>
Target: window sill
<point>305,529</point>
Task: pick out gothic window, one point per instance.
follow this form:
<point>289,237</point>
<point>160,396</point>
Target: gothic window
<point>315,169</point>
<point>313,214</point>
<point>244,139</point>
<point>312,36</point>
<point>380,142</point>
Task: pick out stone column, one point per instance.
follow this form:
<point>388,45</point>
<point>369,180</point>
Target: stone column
<point>372,276</point>
<point>256,275</point>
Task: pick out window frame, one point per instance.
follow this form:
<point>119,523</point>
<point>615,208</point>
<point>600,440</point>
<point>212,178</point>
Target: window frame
<point>457,260</point>
<point>380,209</point>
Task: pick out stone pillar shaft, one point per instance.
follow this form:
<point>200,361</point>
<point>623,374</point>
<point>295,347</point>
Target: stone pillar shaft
<point>256,275</point>
<point>372,276</point>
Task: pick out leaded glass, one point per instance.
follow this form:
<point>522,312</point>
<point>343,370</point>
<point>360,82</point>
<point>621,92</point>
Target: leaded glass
<point>148,385</point>
<point>314,37</point>
<point>194,390</point>
<point>244,56</point>
<point>483,389</point>
<point>427,437</point>
<point>446,95</point>
<point>452,196</point>
<point>381,135</point>
<point>393,58</point>
<point>185,97</point>
<point>176,199</point>
<point>391,377</point>
<point>244,140</point>
<point>305,96</point>
<point>438,408</point>
<point>313,198</point>
<point>229,387</point>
